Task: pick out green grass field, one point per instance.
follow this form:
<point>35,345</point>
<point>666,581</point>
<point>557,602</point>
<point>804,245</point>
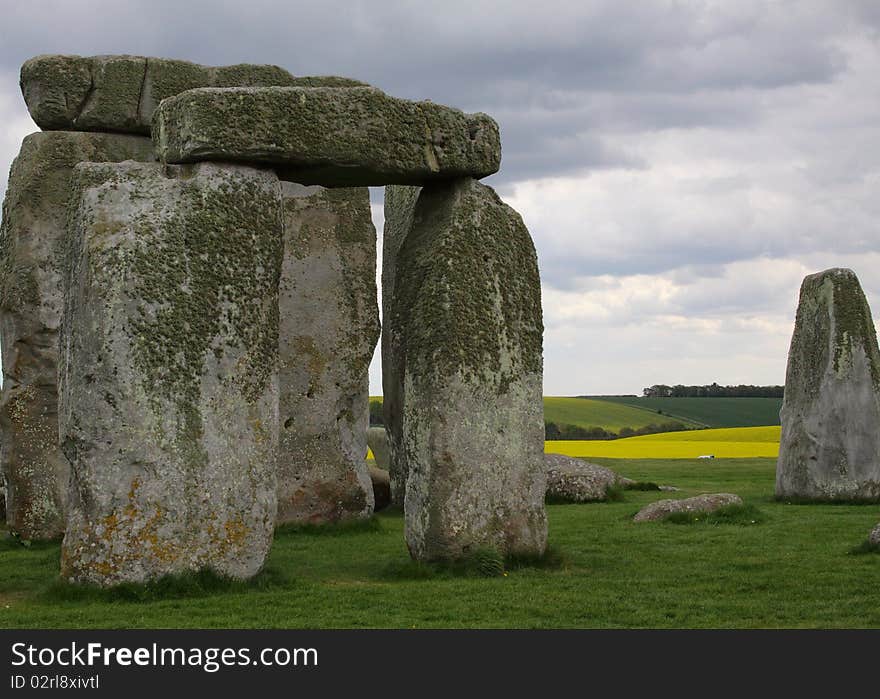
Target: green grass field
<point>793,569</point>
<point>585,412</point>
<point>707,412</point>
<point>734,442</point>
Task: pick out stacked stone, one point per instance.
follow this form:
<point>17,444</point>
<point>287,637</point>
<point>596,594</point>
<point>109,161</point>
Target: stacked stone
<point>830,444</point>
<point>228,292</point>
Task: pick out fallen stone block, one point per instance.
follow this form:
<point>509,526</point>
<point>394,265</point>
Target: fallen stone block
<point>574,480</point>
<point>700,503</point>
<point>329,326</point>
<point>334,137</point>
<point>168,404</point>
<point>32,249</point>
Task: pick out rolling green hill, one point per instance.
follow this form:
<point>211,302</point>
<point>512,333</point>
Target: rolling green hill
<point>586,413</point>
<point>706,412</point>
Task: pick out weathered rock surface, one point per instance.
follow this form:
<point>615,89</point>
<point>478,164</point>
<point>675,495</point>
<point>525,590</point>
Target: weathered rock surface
<point>2,503</point>
<point>168,404</point>
<point>466,311</point>
<point>328,136</point>
<point>575,480</point>
<point>381,487</point>
<point>874,536</point>
<point>400,203</point>
<point>32,237</point>
<point>329,328</point>
<point>830,445</point>
<point>377,440</point>
<point>700,503</point>
<point>120,93</point>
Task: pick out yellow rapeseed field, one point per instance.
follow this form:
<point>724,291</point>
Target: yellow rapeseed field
<point>728,443</point>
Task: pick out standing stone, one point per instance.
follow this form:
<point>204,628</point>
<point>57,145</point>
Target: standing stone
<point>830,445</point>
<point>32,244</point>
<point>168,383</point>
<point>377,440</point>
<point>331,136</point>
<point>466,311</point>
<point>400,203</point>
<point>329,328</point>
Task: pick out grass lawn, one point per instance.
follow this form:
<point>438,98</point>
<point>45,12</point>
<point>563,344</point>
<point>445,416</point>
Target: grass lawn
<point>793,570</point>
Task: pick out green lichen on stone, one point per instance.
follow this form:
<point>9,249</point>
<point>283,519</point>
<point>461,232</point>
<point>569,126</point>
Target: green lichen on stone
<point>113,102</point>
<point>467,298</point>
<point>55,88</point>
<point>833,318</point>
<point>120,93</point>
<point>333,136</point>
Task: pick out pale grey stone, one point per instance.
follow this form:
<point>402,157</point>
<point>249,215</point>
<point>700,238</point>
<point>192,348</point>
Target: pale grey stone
<point>168,402</point>
<point>466,310</point>
<point>381,487</point>
<point>32,248</point>
<point>574,480</point>
<point>874,536</point>
<point>830,444</point>
<point>700,503</point>
<point>347,136</point>
<point>121,93</point>
<point>377,440</point>
<point>329,328</point>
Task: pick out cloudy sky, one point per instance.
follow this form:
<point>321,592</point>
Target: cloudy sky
<point>681,165</point>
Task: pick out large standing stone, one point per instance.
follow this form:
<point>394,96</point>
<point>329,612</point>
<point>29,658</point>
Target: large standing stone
<point>467,317</point>
<point>830,445</point>
<point>343,136</point>
<point>168,383</point>
<point>400,204</point>
<point>329,328</point>
<point>120,93</point>
<point>32,244</point>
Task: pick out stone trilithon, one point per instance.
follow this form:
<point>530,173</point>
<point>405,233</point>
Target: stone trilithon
<point>187,320</point>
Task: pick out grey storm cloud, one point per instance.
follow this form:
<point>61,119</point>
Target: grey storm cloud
<point>689,143</point>
<point>556,76</point>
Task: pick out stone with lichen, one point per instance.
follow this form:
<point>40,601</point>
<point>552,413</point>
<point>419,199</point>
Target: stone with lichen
<point>348,136</point>
<point>466,309</point>
<point>329,326</point>
<point>32,238</point>
<point>699,504</point>
<point>168,403</point>
<point>400,202</point>
<point>120,93</point>
<point>575,480</point>
<point>830,444</point>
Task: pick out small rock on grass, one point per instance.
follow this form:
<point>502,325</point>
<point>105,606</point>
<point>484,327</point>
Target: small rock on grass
<point>700,503</point>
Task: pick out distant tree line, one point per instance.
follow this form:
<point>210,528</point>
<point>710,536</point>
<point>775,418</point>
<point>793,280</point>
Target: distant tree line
<point>713,391</point>
<point>553,430</point>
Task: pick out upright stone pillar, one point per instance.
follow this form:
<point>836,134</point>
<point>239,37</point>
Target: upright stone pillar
<point>328,329</point>
<point>169,397</point>
<point>32,244</point>
<point>467,308</point>
<point>400,203</point>
<point>830,446</point>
